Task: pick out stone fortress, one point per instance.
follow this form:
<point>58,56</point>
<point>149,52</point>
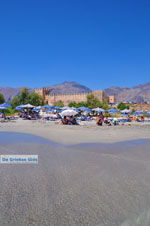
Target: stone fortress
<point>66,98</point>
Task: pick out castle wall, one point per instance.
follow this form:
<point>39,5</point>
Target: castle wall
<point>67,98</point>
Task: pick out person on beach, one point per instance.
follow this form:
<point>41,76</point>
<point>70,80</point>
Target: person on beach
<point>72,121</point>
<point>58,116</point>
<point>64,121</point>
<point>115,121</point>
<point>1,115</point>
<point>106,121</point>
<point>100,119</point>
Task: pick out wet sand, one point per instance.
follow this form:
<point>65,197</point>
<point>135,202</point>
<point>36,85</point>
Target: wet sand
<point>87,132</point>
<point>73,185</point>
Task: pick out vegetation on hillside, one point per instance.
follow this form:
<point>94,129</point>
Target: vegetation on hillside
<point>121,106</point>
<point>59,103</point>
<point>25,97</point>
<point>9,111</point>
<point>2,99</point>
<point>92,102</point>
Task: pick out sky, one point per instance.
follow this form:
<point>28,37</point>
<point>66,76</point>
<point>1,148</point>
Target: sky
<point>98,43</point>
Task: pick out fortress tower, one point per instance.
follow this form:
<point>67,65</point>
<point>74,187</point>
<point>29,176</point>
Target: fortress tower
<point>100,94</point>
<point>42,91</point>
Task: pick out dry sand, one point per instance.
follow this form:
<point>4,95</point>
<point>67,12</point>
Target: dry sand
<point>87,132</point>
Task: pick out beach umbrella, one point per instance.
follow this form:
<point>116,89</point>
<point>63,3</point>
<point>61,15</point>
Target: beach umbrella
<point>47,106</point>
<point>83,108</point>
<point>138,112</point>
<point>126,111</point>
<point>27,106</point>
<point>18,108</point>
<point>148,113</point>
<point>113,110</point>
<point>50,110</point>
<point>88,111</point>
<point>135,114</point>
<point>57,107</point>
<point>36,109</point>
<point>73,108</point>
<point>69,112</point>
<point>66,108</point>
<point>99,110</point>
<point>5,105</point>
<point>2,108</point>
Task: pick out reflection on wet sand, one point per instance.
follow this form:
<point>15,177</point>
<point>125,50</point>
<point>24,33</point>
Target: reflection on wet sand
<point>87,184</point>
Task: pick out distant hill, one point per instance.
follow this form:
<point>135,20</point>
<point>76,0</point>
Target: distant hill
<point>65,87</point>
<point>10,92</point>
<point>138,93</point>
<point>69,87</point>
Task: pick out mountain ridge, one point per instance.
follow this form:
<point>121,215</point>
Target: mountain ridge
<point>138,93</point>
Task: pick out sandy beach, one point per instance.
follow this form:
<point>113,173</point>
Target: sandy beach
<point>86,132</point>
<point>75,185</point>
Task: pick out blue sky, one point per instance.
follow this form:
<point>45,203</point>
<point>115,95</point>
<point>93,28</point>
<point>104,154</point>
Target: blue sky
<point>99,43</point>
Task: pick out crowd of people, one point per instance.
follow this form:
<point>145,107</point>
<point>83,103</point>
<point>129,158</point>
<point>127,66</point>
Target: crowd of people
<point>100,119</point>
<point>28,115</point>
<point>69,120</point>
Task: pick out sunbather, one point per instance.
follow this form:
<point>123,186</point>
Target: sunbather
<point>107,122</point>
<point>64,120</point>
<point>100,119</point>
<point>72,121</point>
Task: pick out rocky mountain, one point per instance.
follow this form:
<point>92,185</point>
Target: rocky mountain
<point>69,87</point>
<point>10,92</point>
<point>65,87</point>
<point>138,93</point>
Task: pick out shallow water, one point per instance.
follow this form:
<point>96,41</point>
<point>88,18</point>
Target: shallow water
<point>11,137</point>
<point>86,184</point>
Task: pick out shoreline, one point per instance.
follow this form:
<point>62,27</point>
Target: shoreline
<point>72,145</point>
<point>86,133</point>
